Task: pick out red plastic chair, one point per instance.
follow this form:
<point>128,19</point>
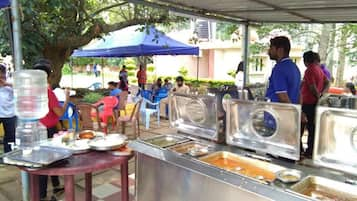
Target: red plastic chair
<point>336,90</point>
<point>106,108</point>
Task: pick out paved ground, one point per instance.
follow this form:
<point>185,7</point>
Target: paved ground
<point>106,184</point>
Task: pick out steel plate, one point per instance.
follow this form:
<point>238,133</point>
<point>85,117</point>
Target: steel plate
<point>325,189</point>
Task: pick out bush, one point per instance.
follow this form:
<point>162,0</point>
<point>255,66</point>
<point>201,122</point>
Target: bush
<point>131,73</point>
<point>150,67</point>
<point>183,71</point>
<point>129,61</point>
<point>92,97</point>
<point>232,73</point>
<point>207,82</point>
<point>81,92</point>
<point>131,67</point>
<point>66,70</point>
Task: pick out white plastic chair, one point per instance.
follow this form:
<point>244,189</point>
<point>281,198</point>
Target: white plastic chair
<point>147,109</point>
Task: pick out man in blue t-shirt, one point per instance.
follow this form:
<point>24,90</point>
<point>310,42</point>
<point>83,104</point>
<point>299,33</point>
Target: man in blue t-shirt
<point>284,82</point>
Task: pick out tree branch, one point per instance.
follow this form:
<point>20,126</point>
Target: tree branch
<point>107,8</point>
<point>98,29</point>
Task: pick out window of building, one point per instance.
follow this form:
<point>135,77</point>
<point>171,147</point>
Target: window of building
<point>258,64</point>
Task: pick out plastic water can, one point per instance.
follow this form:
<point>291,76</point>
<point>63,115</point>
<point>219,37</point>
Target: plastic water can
<point>30,92</point>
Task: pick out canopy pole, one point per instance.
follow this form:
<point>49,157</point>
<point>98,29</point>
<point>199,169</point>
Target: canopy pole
<point>71,66</point>
<point>198,66</point>
<point>102,72</point>
<point>245,53</point>
<point>16,31</point>
<point>17,60</point>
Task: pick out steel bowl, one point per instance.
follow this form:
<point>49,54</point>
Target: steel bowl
<point>289,175</point>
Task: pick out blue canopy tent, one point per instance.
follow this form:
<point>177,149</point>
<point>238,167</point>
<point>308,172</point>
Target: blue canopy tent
<point>131,42</point>
<point>4,3</point>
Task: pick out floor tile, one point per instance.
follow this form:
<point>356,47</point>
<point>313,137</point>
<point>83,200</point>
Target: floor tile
<point>105,190</point>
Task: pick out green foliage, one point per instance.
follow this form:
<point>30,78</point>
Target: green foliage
<point>92,97</point>
<point>225,30</point>
<point>130,61</point>
<point>232,73</point>
<point>150,68</point>
<point>131,73</point>
<point>131,67</point>
<point>81,92</point>
<point>66,70</point>
<point>113,61</point>
<point>52,29</point>
<point>208,82</point>
<point>257,48</point>
<point>183,71</point>
<point>294,29</point>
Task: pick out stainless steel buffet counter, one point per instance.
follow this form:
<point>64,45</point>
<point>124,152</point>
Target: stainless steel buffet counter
<point>258,160</point>
<point>164,175</point>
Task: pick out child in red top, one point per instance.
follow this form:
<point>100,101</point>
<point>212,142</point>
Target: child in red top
<point>50,121</point>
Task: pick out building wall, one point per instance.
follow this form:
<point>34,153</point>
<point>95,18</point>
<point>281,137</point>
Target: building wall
<point>216,60</point>
<point>170,65</point>
<point>224,61</point>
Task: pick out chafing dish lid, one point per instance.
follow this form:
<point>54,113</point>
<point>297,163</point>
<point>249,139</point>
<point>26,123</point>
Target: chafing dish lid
<point>195,115</point>
<point>272,128</point>
<point>336,139</point>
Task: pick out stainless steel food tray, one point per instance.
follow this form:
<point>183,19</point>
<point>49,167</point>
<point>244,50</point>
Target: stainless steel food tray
<point>193,148</point>
<point>249,167</point>
<point>43,156</point>
<point>164,141</point>
<point>325,189</point>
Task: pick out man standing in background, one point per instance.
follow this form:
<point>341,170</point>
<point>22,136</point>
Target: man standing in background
<point>314,84</point>
<point>7,110</point>
<point>141,75</point>
<point>123,74</point>
<point>284,82</point>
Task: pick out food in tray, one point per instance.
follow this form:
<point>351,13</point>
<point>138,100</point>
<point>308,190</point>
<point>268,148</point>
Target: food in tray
<point>192,148</point>
<point>325,194</point>
<point>252,168</point>
<point>87,134</point>
<point>325,189</point>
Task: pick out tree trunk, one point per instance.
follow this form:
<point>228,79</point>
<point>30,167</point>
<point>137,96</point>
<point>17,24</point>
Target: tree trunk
<point>143,61</point>
<point>331,53</point>
<point>341,57</point>
<point>58,56</point>
<point>324,42</point>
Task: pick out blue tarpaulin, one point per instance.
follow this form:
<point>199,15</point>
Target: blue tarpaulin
<point>131,42</point>
<point>4,3</point>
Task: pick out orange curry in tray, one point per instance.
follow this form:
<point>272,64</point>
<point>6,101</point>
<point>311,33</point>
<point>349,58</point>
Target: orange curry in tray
<point>244,167</point>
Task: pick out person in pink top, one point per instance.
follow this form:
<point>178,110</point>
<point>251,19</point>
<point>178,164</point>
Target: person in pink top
<point>50,121</point>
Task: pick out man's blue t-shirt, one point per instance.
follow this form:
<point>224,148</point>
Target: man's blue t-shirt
<point>285,77</point>
<point>114,92</point>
